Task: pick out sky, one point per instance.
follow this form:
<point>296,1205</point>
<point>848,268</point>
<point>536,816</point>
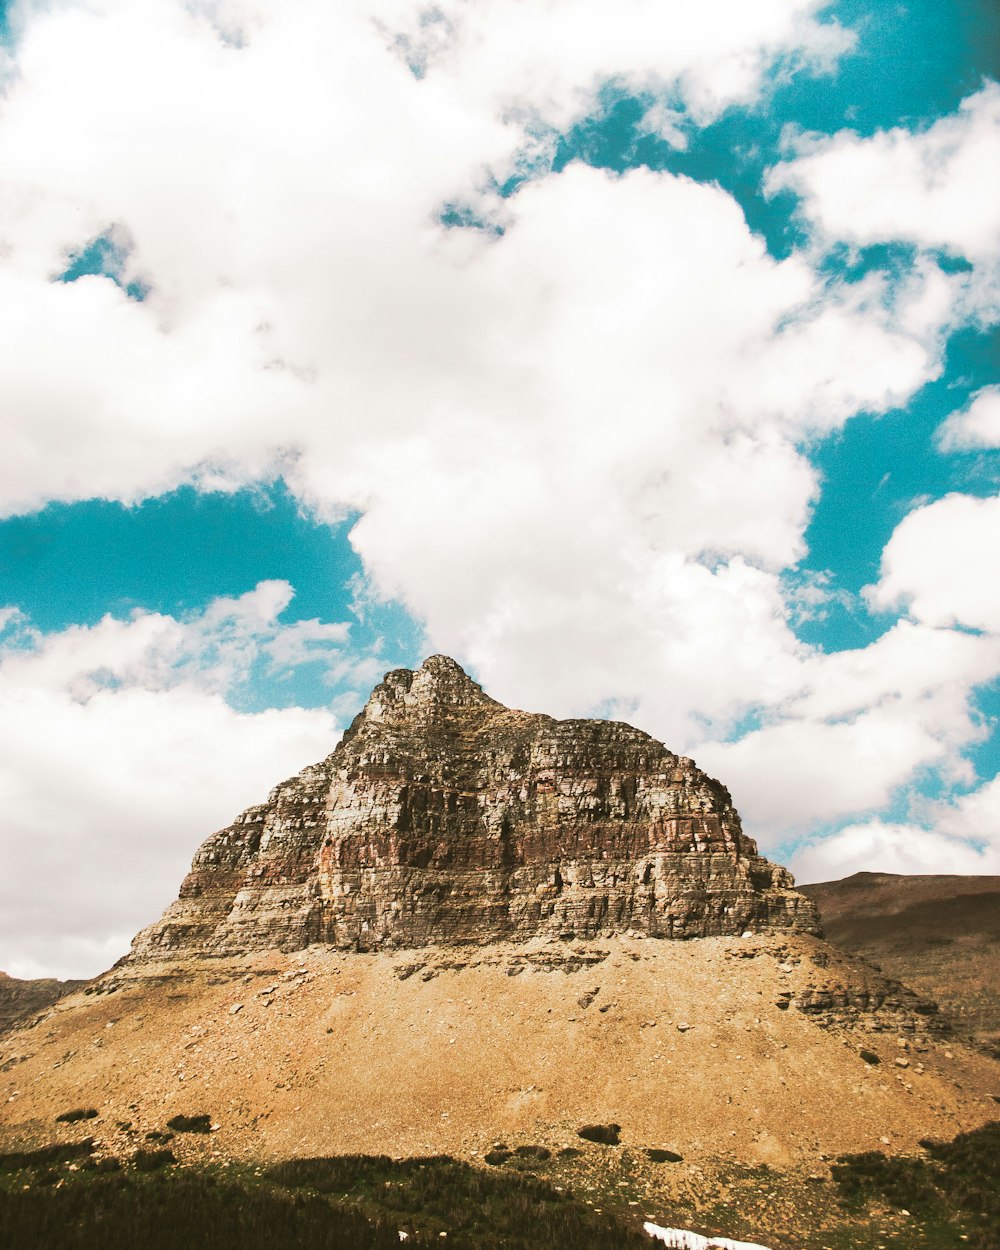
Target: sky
<point>643,357</point>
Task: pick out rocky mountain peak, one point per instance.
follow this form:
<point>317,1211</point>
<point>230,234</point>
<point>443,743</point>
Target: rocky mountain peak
<point>439,682</point>
<point>444,817</point>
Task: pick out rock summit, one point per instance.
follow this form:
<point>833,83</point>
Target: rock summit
<point>443,817</point>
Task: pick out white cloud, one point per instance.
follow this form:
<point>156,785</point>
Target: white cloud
<point>975,426</point>
<point>548,59</point>
<point>938,564</point>
<point>576,447</point>
<point>958,836</point>
<point>880,847</point>
<point>975,815</point>
<point>119,754</point>
<point>666,124</point>
<point>858,727</point>
<point>938,188</point>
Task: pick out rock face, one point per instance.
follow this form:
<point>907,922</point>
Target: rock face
<point>445,818</point>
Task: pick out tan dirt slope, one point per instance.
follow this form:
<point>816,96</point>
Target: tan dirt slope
<point>739,1048</point>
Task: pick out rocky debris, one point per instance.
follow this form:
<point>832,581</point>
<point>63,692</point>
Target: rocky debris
<point>936,934</point>
<point>835,990</point>
<point>445,818</point>
<point>877,1005</point>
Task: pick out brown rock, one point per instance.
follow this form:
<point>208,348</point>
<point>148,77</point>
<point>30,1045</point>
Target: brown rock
<point>445,818</point>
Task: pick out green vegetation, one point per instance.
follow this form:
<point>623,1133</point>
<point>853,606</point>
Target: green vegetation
<point>59,1198</point>
<point>476,1208</point>
<point>956,1181</point>
<point>152,1160</point>
<point>46,1156</point>
<point>68,1197</point>
<point>179,1211</point>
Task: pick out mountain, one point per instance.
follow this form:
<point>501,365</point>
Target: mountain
<point>21,999</point>
<point>472,926</point>
<point>445,817</point>
<point>939,934</point>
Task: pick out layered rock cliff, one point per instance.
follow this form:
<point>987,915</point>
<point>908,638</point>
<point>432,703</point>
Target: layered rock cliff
<point>445,818</point>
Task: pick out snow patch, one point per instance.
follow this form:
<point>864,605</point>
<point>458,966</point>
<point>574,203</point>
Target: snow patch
<point>684,1239</point>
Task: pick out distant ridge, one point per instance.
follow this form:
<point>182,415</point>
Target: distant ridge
<point>938,933</point>
<point>19,1000</point>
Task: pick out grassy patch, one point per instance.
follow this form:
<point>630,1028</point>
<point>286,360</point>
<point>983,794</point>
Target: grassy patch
<point>46,1156</point>
<point>165,1211</point>
<point>474,1207</point>
<point>956,1181</point>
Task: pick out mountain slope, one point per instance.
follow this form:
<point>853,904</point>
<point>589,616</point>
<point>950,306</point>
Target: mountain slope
<point>464,927</point>
<point>939,934</point>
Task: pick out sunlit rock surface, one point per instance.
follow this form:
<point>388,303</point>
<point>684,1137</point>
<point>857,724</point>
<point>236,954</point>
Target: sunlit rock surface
<point>445,818</point>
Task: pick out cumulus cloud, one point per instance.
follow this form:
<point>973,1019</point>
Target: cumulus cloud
<point>935,564</point>
<point>575,445</point>
<point>858,727</point>
<point>120,753</point>
<point>974,427</point>
<point>550,59</point>
<point>938,188</point>
<point>975,815</point>
<point>880,847</point>
<point>958,836</point>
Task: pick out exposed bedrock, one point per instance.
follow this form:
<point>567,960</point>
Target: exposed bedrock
<point>445,818</point>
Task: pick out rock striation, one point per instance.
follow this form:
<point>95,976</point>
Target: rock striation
<point>444,817</point>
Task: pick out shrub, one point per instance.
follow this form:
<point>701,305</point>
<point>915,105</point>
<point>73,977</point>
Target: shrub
<point>190,1123</point>
<point>152,1160</point>
<point>45,1156</point>
<point>477,1207</point>
<point>604,1134</point>
<point>959,1181</point>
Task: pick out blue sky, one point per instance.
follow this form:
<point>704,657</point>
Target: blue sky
<point>646,362</point>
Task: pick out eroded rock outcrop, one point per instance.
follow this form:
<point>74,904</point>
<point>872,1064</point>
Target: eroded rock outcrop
<point>444,817</point>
